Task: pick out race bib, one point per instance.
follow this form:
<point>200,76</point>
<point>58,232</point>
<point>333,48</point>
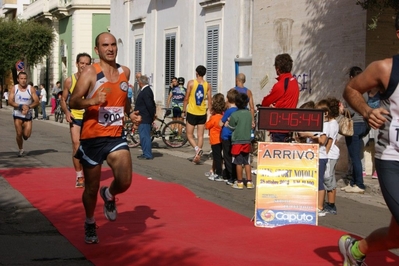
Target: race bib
<point>394,133</point>
<point>111,116</point>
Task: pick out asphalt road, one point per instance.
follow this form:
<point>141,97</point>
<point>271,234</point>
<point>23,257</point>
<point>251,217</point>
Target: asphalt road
<point>28,238</point>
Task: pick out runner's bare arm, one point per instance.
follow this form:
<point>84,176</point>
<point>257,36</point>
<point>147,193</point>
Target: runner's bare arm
<point>34,97</point>
<point>84,85</point>
<point>187,96</point>
<point>11,98</point>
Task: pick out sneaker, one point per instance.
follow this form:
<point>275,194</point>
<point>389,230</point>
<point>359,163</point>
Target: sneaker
<point>91,234</point>
<point>250,185</point>
<point>374,176</point>
<point>215,177</point>
<point>364,174</point>
<point>238,185</point>
<point>345,244</point>
<point>321,213</point>
<point>80,182</point>
<point>109,206</point>
<point>208,173</point>
<point>197,157</point>
<point>354,189</point>
<point>21,153</point>
<point>345,188</point>
<point>331,210</point>
<point>230,182</point>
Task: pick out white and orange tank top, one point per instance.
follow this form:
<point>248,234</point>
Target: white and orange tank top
<point>106,120</point>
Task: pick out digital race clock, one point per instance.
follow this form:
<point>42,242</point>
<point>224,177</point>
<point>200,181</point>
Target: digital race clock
<point>290,119</point>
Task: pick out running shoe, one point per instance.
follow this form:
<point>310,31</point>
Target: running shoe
<point>321,213</point>
<point>230,182</point>
<point>374,176</point>
<point>80,182</point>
<point>207,174</point>
<point>91,233</point>
<point>238,185</point>
<point>21,153</point>
<point>109,206</point>
<point>215,177</point>
<point>331,210</point>
<point>250,185</point>
<point>197,157</point>
<point>354,189</point>
<point>345,244</point>
<point>346,187</point>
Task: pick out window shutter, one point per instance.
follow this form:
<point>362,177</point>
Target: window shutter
<point>170,58</point>
<point>212,57</point>
<point>137,55</point>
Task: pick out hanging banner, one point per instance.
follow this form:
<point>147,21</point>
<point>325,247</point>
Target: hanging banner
<point>286,184</point>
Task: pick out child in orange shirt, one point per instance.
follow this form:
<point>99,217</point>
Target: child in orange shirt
<point>218,106</point>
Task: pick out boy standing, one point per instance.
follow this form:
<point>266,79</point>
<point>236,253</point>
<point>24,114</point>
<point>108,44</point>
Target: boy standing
<point>241,124</point>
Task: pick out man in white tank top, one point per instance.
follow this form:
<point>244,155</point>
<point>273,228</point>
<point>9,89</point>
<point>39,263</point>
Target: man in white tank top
<point>23,98</point>
<point>384,76</point>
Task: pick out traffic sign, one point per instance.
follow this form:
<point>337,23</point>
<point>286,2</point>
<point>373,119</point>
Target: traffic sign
<point>20,66</point>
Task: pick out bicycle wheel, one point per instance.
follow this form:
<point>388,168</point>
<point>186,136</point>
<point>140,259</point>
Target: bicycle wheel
<point>61,117</point>
<point>56,116</point>
<point>133,137</point>
<point>259,136</point>
<point>174,134</point>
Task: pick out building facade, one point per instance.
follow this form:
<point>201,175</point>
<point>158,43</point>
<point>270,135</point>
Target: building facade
<point>163,39</point>
<point>76,23</point>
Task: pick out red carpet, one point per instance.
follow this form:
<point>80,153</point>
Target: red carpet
<point>166,224</point>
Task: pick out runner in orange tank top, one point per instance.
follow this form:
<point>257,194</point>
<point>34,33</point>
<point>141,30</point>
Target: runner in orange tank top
<point>102,91</point>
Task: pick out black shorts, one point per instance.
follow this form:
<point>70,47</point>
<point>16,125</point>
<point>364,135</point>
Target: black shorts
<point>242,159</point>
<point>176,112</point>
<point>388,178</point>
<point>196,119</point>
<point>78,122</point>
<point>94,151</point>
<point>23,118</point>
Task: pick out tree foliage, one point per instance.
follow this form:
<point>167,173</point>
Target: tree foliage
<point>28,41</point>
<point>379,6</point>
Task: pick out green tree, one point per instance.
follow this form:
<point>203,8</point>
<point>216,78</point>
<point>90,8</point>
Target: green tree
<point>378,6</point>
<point>28,41</point>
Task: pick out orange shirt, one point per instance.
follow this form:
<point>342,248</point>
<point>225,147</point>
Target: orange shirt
<point>214,129</point>
<point>106,120</point>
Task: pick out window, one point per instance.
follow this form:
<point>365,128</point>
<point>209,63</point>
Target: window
<point>170,58</point>
<point>137,55</point>
<point>212,57</point>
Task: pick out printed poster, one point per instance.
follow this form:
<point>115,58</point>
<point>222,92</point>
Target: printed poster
<point>286,184</point>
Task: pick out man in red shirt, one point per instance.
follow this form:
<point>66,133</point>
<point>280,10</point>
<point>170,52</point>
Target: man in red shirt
<point>285,92</point>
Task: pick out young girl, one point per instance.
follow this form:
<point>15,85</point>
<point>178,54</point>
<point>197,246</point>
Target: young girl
<point>218,106</point>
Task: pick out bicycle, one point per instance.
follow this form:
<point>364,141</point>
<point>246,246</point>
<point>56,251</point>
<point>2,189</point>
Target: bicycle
<point>173,133</point>
<point>59,113</point>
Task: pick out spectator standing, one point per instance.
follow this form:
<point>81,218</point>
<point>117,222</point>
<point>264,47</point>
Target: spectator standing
<point>36,117</point>
<point>145,104</point>
<point>285,92</point>
<point>355,144</point>
<point>75,116</point>
<point>240,123</point>
<point>176,98</point>
<point>198,91</point>
<point>54,96</point>
<point>240,87</point>
<point>5,95</point>
<point>213,125</point>
<point>43,101</point>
